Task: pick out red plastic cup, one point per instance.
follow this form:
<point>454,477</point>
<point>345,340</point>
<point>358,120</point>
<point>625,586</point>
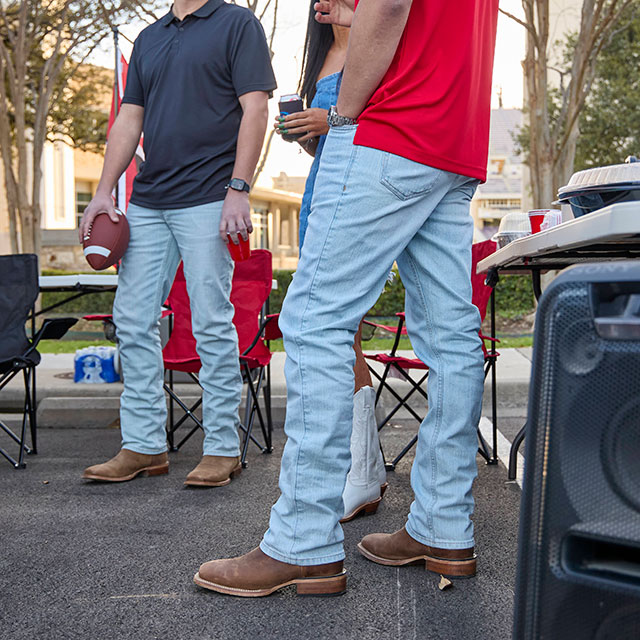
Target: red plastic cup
<point>536,217</point>
<point>240,251</point>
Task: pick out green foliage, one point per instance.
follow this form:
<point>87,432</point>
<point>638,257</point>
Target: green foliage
<point>91,304</point>
<point>392,299</point>
<point>69,346</point>
<point>609,124</point>
<point>284,277</point>
<point>94,303</point>
<point>514,296</point>
<point>522,135</point>
<point>81,114</point>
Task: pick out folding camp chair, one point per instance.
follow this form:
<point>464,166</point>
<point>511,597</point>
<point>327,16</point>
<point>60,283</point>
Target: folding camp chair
<point>399,366</point>
<point>251,286</point>
<point>18,293</point>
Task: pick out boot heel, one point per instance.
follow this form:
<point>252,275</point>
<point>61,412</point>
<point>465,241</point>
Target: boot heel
<point>236,472</point>
<point>452,568</point>
<point>372,507</point>
<point>333,586</point>
<point>156,471</point>
<point>383,489</point>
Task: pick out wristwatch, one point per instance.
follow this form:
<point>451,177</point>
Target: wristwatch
<point>238,185</point>
<point>334,119</point>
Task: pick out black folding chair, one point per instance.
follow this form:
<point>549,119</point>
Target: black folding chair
<point>18,293</point>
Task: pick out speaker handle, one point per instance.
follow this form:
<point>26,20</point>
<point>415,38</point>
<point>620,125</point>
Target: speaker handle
<point>589,556</point>
<point>616,310</point>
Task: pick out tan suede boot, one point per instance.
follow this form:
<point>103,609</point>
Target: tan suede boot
<point>214,471</point>
<point>257,574</point>
<point>399,549</point>
<point>127,465</point>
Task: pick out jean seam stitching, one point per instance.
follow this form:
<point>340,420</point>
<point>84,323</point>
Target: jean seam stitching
<point>440,387</point>
<point>301,350</point>
<point>156,301</point>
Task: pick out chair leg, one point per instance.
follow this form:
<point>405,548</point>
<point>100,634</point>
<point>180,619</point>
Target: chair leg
<point>30,381</point>
<point>513,454</point>
<point>252,409</point>
<point>401,400</point>
<point>382,379</point>
<point>28,414</point>
<point>483,449</point>
<point>391,466</point>
<point>172,427</point>
<point>188,414</point>
<point>255,393</point>
<point>266,392</point>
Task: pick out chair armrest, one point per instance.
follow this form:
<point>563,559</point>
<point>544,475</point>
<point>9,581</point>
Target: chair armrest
<point>54,329</point>
<point>268,330</point>
<point>384,327</point>
<point>51,329</point>
<point>271,328</point>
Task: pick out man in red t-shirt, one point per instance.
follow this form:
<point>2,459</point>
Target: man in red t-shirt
<point>407,148</point>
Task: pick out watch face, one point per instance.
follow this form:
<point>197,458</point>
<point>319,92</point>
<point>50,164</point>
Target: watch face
<point>238,185</point>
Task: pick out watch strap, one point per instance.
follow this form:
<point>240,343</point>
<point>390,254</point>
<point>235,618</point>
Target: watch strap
<point>237,184</point>
<point>334,119</point>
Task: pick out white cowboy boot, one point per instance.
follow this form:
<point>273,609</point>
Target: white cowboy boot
<point>367,475</point>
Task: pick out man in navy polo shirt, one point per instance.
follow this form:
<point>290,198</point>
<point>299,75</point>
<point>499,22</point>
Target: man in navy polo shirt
<point>198,85</point>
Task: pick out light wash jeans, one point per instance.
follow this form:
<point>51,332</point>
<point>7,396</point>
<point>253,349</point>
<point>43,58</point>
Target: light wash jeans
<point>159,240</point>
<point>371,208</point>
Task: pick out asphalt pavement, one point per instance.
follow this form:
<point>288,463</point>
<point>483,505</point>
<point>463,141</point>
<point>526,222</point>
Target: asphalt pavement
<point>104,561</point>
<point>88,560</point>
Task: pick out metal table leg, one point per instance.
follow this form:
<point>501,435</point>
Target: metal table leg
<point>513,453</point>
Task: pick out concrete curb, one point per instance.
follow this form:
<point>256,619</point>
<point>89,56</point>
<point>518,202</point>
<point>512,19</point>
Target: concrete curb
<point>62,404</point>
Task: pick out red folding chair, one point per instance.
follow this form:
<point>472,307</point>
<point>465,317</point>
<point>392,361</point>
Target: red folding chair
<point>251,286</point>
<point>402,366</point>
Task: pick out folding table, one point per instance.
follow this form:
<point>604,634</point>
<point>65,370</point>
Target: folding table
<point>613,233</point>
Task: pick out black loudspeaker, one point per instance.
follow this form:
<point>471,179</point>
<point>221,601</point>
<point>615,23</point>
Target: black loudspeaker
<point>579,548</point>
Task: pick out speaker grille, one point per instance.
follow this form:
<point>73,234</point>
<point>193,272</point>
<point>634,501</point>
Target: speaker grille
<point>582,473</point>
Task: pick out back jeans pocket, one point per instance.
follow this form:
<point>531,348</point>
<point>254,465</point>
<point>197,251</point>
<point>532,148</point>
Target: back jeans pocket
<point>407,179</point>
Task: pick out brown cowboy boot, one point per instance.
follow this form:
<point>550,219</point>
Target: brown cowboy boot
<point>399,548</point>
<point>214,471</point>
<point>127,465</point>
<point>257,574</point>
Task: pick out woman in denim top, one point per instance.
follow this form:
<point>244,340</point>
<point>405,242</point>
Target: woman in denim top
<point>324,56</point>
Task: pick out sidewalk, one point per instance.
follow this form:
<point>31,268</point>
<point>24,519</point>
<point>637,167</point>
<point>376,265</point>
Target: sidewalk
<point>61,403</point>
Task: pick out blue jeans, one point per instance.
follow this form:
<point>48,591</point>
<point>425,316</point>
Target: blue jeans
<point>371,208</point>
<point>159,240</point>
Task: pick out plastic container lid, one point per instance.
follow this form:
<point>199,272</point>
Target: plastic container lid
<point>514,222</point>
<point>616,174</point>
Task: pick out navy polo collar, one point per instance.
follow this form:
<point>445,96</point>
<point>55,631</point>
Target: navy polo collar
<point>203,12</point>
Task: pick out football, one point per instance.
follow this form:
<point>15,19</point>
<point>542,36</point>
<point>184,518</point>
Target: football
<point>106,241</point>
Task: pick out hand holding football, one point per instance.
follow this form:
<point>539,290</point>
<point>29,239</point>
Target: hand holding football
<point>106,241</point>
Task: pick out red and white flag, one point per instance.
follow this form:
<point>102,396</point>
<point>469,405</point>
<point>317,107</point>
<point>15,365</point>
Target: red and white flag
<point>125,183</point>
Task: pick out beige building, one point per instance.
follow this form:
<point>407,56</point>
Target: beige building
<point>503,190</point>
<point>70,180</point>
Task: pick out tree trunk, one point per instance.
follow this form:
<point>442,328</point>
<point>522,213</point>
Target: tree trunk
<point>566,158</point>
<point>27,229</point>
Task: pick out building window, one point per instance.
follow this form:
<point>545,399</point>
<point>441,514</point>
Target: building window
<point>260,221</point>
<point>502,203</point>
<point>83,198</point>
